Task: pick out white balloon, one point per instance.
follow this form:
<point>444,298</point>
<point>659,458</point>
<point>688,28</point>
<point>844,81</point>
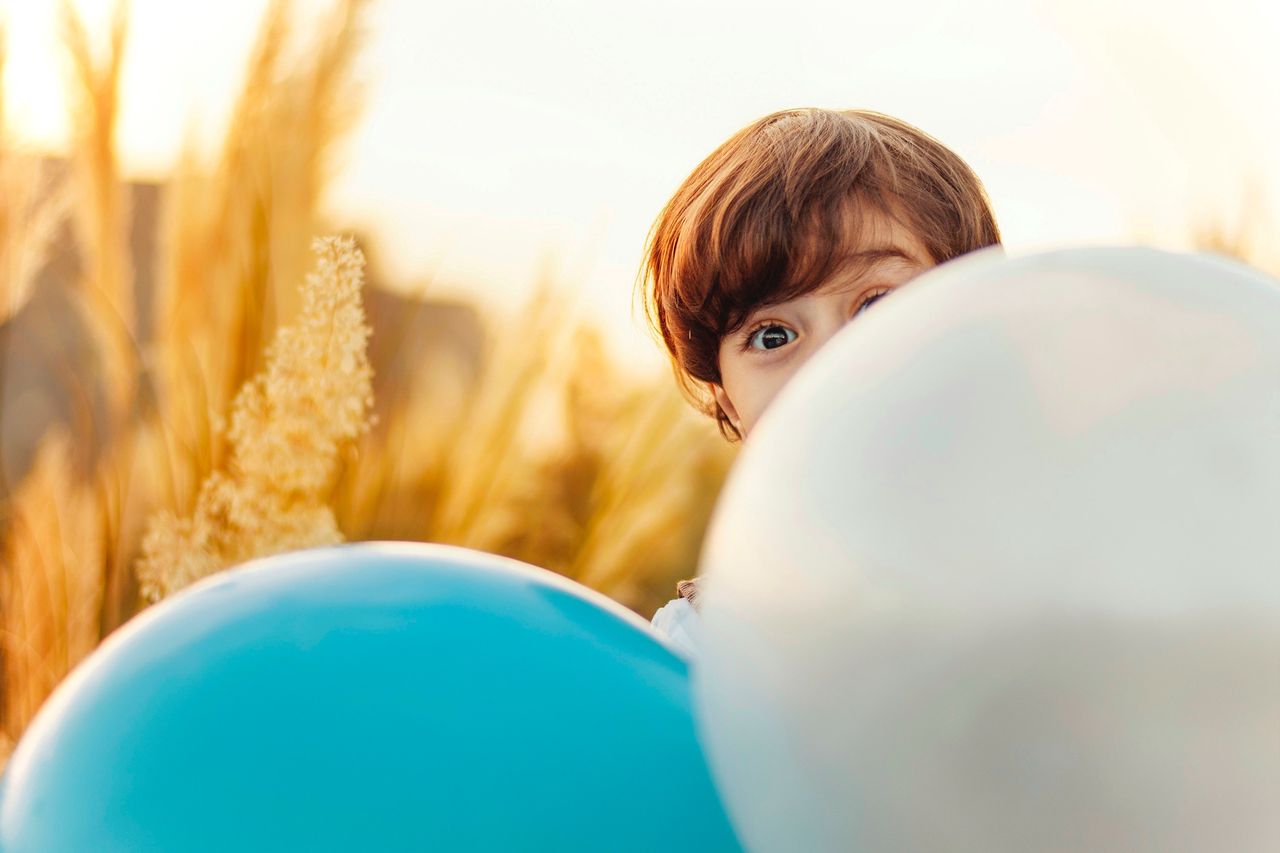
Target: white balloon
<point>999,570</point>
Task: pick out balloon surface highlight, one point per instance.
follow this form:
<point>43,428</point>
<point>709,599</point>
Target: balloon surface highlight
<point>999,570</point>
<point>370,697</point>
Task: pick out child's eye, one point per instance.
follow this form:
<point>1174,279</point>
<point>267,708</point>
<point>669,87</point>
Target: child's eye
<point>870,299</point>
<point>770,336</point>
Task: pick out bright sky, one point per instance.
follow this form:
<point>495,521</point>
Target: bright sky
<point>502,137</point>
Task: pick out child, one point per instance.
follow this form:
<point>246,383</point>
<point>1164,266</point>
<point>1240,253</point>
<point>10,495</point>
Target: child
<point>795,225</point>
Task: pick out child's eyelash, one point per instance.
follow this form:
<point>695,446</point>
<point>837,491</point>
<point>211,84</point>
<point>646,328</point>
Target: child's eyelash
<point>871,297</point>
<point>745,343</point>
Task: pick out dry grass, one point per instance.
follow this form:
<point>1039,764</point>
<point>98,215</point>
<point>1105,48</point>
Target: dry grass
<point>560,460</point>
<point>33,204</point>
<point>99,213</point>
<point>50,589</point>
<point>288,425</point>
<point>220,447</point>
<point>555,457</point>
<point>237,234</point>
<point>32,207</point>
<point>1246,234</point>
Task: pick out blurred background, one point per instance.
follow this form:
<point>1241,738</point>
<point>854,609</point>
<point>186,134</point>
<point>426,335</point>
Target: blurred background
<point>164,166</point>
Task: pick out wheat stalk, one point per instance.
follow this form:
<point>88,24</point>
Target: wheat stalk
<point>100,218</point>
<point>50,591</point>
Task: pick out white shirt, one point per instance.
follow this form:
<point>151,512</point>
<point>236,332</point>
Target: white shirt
<point>682,626</point>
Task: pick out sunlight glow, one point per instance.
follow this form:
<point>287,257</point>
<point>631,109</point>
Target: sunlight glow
<point>496,138</point>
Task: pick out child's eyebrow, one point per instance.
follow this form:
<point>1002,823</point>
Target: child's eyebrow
<point>852,266</point>
<point>859,263</point>
<point>877,254</point>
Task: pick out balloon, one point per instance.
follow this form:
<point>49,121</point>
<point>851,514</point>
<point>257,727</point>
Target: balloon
<point>999,569</point>
<point>370,697</point>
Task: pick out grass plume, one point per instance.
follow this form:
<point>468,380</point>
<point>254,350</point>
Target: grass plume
<point>288,426</point>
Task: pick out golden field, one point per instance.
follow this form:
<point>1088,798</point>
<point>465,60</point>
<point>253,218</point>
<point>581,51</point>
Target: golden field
<point>195,374</point>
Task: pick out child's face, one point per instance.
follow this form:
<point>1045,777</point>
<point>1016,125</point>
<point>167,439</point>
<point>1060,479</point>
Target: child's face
<point>759,358</point>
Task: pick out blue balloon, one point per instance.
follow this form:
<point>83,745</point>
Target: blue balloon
<point>370,697</point>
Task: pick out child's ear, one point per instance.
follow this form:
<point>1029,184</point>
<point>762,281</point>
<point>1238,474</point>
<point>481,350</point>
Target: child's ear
<point>722,399</point>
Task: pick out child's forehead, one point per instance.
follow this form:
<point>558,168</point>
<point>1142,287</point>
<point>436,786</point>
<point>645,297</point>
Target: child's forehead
<point>868,250</point>
<point>825,247</point>
<point>853,264</point>
<point>871,228</point>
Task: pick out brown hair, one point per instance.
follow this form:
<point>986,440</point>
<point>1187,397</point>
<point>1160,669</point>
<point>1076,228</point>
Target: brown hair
<point>767,216</point>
